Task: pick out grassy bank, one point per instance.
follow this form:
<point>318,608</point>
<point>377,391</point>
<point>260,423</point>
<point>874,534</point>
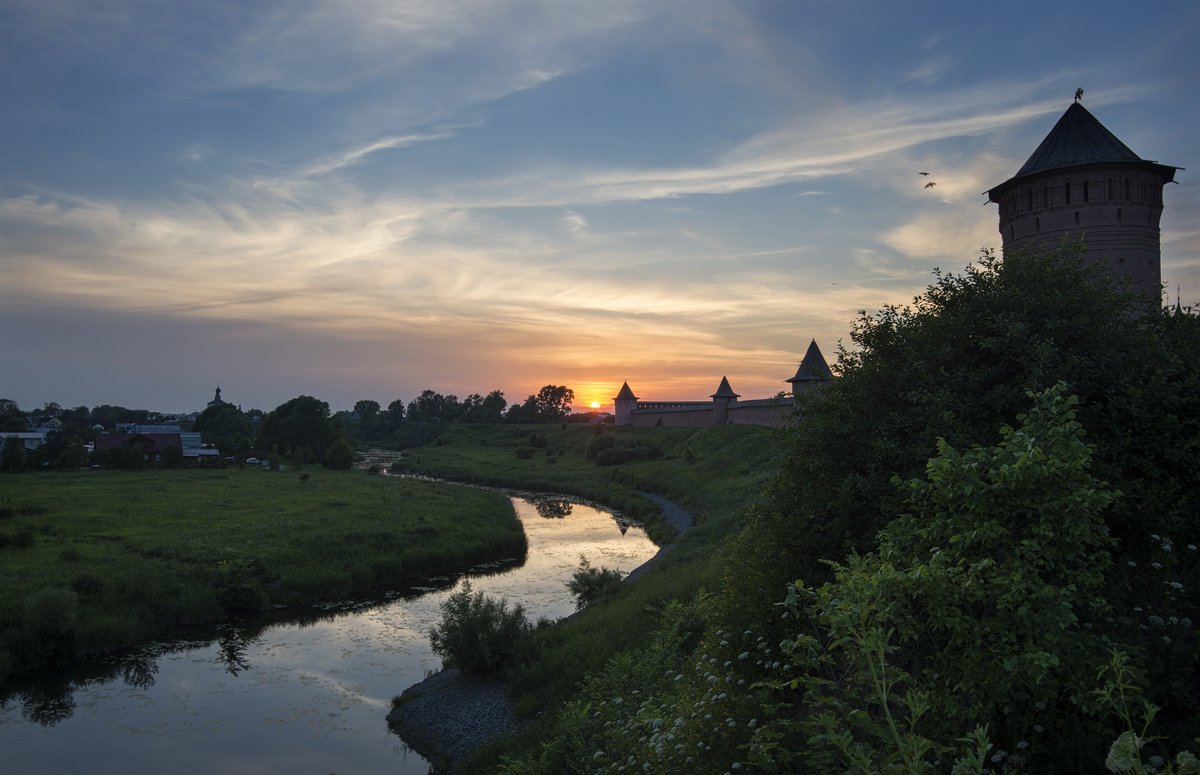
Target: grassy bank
<point>94,560</point>
<point>715,473</point>
<point>712,472</point>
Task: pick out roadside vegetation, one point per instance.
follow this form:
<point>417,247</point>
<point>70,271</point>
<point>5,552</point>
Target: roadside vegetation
<point>92,561</point>
<point>976,552</point>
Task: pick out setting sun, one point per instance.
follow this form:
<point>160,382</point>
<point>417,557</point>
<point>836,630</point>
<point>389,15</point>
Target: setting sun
<point>595,404</point>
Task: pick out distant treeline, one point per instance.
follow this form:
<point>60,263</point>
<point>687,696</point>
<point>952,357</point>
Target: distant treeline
<point>302,429</point>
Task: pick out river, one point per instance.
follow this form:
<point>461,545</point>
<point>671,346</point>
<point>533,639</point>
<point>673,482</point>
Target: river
<point>306,694</point>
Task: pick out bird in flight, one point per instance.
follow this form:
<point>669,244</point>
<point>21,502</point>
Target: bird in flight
<point>930,184</point>
<point>923,173</point>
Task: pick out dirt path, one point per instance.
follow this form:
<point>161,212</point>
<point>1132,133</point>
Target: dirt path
<point>673,515</point>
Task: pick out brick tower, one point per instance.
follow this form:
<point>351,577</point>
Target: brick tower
<point>1083,182</point>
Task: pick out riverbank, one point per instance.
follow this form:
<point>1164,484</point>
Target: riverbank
<point>450,715</point>
<point>96,561</point>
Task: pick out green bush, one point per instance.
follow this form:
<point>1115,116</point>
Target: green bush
<point>524,453</point>
<point>50,624</point>
<point>588,584</point>
<point>340,456</point>
<point>614,456</point>
<point>479,633</point>
<point>601,442</point>
<point>87,583</point>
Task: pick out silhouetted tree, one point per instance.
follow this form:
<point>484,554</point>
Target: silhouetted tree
<point>302,425</point>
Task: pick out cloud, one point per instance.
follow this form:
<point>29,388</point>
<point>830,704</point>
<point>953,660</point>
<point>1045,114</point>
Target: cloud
<point>574,222</point>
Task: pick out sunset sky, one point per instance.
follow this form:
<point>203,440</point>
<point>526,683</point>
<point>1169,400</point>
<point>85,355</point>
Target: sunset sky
<point>365,199</point>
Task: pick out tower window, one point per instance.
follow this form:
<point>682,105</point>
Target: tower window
<point>1029,199</point>
<point>1110,188</point>
<point>1085,191</point>
<point>1126,189</point>
<point>1076,217</point>
<point>1037,225</point>
<point>1118,215</point>
<point>1045,196</point>
<point>1067,193</point>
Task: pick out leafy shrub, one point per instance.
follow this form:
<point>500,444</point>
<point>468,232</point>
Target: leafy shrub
<point>240,585</point>
<point>614,456</point>
<point>70,555</point>
<point>524,453</point>
<point>51,619</point>
<point>601,442</point>
<point>982,607</point>
<point>23,539</point>
<point>477,632</point>
<point>340,456</point>
<point>588,584</point>
<point>87,583</point>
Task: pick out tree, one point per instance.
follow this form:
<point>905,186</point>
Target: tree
<point>226,427</point>
<point>368,418</point>
<point>394,416</point>
<point>11,417</point>
<point>957,363</point>
<point>340,456</point>
<point>478,409</point>
<point>553,403</point>
<point>73,454</point>
<point>12,456</point>
<point>982,607</point>
<point>302,425</point>
<point>550,404</point>
<point>433,407</point>
<point>954,366</point>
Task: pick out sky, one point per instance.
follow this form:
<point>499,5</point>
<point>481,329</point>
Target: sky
<point>359,199</point>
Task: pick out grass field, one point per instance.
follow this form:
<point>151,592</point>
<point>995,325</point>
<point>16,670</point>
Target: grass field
<point>92,560</point>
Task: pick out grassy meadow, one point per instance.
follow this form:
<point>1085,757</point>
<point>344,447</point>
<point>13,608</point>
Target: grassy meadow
<point>93,560</point>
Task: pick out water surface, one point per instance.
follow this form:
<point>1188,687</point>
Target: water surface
<point>297,696</point>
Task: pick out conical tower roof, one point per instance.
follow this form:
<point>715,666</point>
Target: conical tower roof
<point>813,367</point>
<point>724,390</point>
<point>626,394</point>
<point>1076,140</point>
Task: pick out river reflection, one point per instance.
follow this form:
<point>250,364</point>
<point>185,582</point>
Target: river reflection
<point>303,695</point>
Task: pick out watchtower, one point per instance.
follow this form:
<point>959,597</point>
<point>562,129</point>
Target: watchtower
<point>624,402</point>
<point>722,400</point>
<point>1083,182</point>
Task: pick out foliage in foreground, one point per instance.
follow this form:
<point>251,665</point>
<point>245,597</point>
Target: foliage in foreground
<point>954,367</point>
<point>973,623</point>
